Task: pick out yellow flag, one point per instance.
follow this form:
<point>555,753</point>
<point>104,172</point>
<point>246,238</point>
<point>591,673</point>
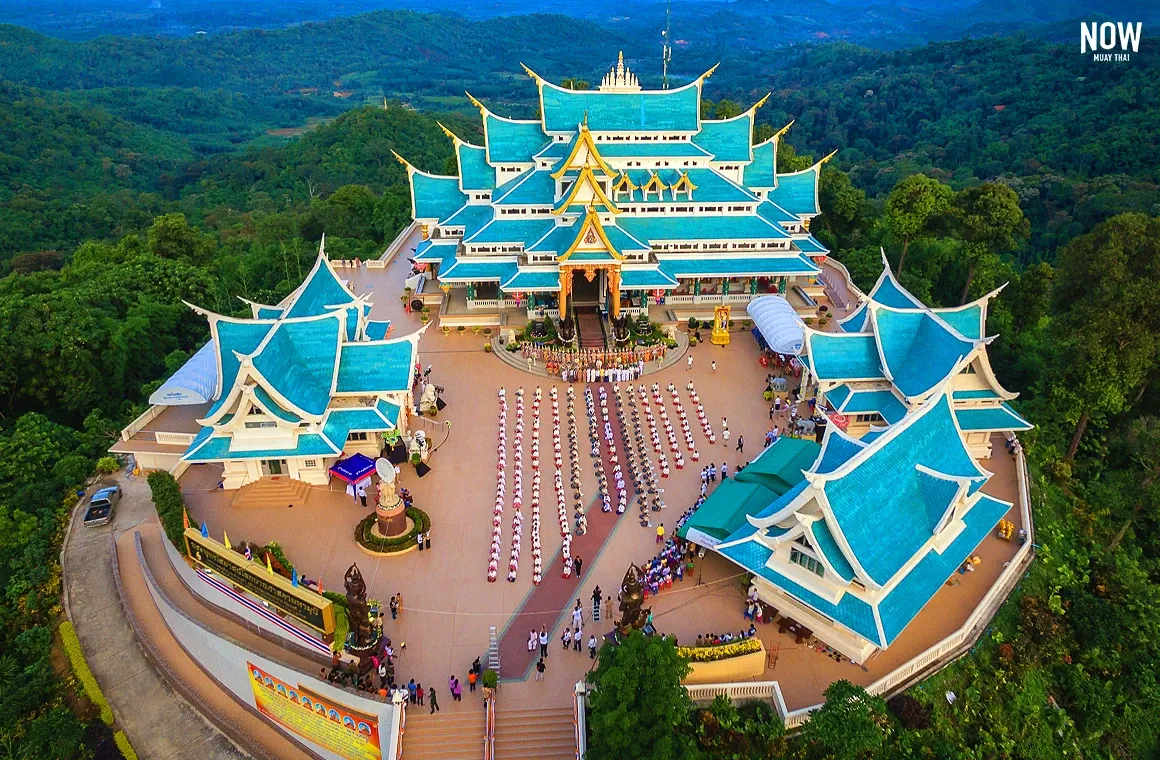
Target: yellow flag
<point>269,569</point>
<point>226,539</point>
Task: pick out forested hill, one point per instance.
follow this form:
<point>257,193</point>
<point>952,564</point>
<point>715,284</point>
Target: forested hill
<point>415,57</point>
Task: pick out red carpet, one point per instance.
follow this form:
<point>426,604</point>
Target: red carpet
<point>555,597</point>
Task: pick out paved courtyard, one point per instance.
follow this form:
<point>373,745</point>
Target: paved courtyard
<point>448,603</point>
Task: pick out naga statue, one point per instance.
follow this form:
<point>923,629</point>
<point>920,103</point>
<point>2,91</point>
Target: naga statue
<point>567,329</point>
<point>620,328</point>
<point>631,602</point>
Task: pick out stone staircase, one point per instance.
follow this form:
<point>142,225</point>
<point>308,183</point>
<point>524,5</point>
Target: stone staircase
<point>443,736</point>
<point>547,734</point>
<point>591,329</point>
<point>272,491</point>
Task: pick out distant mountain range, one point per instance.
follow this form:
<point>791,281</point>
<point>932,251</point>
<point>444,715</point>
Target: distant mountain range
<point>741,24</point>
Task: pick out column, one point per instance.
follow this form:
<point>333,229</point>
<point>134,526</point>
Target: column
<point>565,287</point>
<point>614,291</point>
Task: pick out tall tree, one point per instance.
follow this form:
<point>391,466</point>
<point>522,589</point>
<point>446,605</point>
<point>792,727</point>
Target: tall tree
<point>989,221</point>
<point>912,206</point>
<point>638,703</point>
<point>1107,323</point>
<point>727,109</point>
<point>851,724</point>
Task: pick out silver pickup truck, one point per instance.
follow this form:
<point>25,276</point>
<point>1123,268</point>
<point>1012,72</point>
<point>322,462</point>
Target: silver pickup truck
<point>102,505</point>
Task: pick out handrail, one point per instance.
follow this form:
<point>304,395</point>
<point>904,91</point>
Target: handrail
<point>489,727</point>
<point>579,720</point>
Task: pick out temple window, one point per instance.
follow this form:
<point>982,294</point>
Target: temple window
<point>357,437</point>
<point>261,425</point>
<point>809,563</point>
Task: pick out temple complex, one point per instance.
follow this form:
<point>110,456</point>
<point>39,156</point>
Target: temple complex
<point>615,199</point>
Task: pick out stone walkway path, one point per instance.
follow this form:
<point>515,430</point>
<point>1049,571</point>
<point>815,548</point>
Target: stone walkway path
<point>548,603</point>
<point>160,724</point>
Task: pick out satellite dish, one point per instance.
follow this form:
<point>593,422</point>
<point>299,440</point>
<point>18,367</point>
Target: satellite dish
<point>385,470</point>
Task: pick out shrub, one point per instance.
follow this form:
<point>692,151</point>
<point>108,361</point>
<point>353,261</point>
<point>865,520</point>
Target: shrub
<point>487,331</point>
<point>445,329</point>
<point>123,744</point>
<point>76,656</point>
<point>693,323</point>
<point>368,540</point>
<point>170,505</point>
<point>731,323</point>
<point>721,652</point>
<point>108,465</point>
<point>692,341</point>
<point>490,679</point>
<point>911,713</point>
<point>461,329</point>
<point>768,395</point>
<point>487,347</point>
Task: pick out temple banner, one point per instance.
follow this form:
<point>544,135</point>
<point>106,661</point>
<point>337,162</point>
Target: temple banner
<point>324,721</point>
<point>312,609</point>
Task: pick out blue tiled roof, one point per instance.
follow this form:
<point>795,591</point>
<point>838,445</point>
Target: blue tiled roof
<point>967,320</point>
<point>540,280</point>
<point>838,356</point>
<point>439,252</point>
<point>650,148</point>
<point>823,540</point>
<point>809,244</point>
<point>770,266</point>
<point>472,218</point>
<point>889,292</point>
<point>883,402</point>
<point>217,448</point>
<point>919,352</point>
<point>232,337</point>
<point>604,256</point>
<point>466,270</point>
<point>389,411</point>
<point>797,193</point>
<point>269,312</point>
<point>741,227</point>
<point>557,240</point>
<point>985,393</point>
<point>298,361</point>
<point>512,142</point>
<point>926,578</point>
<point>937,494</point>
<point>837,449</point>
<point>375,367</point>
<point>884,488</point>
<point>857,321</point>
<point>837,395</point>
<point>273,407</point>
<point>850,611</point>
<point>318,293</point>
<point>664,110</point>
<point>340,422</point>
<point>377,330</point>
<point>623,241</point>
<point>505,230</point>
<point>727,140</point>
<point>996,418</point>
<point>474,171</point>
<point>645,279</point>
<point>532,188</point>
<point>771,212</point>
<point>435,197</point>
<point>761,172</point>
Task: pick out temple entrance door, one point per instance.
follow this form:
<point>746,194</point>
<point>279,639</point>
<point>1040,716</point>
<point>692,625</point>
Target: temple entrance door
<point>273,466</point>
<point>585,293</point>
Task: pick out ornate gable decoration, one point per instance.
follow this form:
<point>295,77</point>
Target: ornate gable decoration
<point>619,78</point>
<point>591,239</point>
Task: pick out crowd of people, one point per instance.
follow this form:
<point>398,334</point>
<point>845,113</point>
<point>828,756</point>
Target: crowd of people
<point>593,365</point>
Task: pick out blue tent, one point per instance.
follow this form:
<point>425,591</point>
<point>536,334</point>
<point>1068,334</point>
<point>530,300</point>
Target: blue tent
<point>354,468</point>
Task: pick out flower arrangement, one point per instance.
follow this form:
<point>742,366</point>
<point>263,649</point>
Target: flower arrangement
<point>721,651</point>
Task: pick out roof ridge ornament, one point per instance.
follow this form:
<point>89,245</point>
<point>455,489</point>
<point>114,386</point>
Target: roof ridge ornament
<point>620,78</point>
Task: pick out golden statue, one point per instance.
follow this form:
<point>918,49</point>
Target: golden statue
<point>721,325</point>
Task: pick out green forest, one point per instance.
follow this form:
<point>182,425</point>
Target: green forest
<point>137,173</point>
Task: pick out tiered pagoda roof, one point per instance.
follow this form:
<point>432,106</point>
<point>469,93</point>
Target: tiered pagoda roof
<point>292,361</point>
<point>894,352</point>
<point>676,195</point>
<point>889,521</point>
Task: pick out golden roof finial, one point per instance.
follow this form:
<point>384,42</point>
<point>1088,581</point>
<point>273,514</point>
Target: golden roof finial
<point>784,129</point>
<point>709,73</point>
<point>539,79</point>
<point>585,118</point>
<point>761,102</point>
<point>402,160</point>
<point>827,158</point>
<point>474,102</point>
<point>447,131</point>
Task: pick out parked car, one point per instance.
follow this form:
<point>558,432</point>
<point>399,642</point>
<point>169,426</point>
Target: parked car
<point>102,505</point>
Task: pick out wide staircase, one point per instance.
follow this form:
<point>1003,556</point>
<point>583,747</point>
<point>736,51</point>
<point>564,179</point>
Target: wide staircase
<point>548,734</point>
<point>272,491</point>
<point>590,326</point>
<point>444,736</point>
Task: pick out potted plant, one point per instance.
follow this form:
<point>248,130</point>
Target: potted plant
<point>489,679</point>
<point>461,329</point>
<point>487,347</point>
<point>768,395</point>
<point>692,323</point>
<point>445,329</point>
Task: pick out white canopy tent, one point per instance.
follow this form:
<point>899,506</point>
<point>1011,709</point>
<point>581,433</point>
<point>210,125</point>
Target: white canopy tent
<point>194,383</point>
<point>779,324</point>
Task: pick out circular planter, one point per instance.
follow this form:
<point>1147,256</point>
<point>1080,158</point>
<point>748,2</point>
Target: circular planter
<point>368,539</point>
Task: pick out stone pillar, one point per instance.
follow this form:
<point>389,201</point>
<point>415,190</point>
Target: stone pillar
<point>391,516</point>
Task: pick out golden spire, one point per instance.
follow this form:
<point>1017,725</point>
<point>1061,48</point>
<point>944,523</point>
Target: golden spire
<point>539,79</point>
<point>447,131</point>
<point>482,108</point>
<point>827,158</point>
<point>783,130</point>
<point>761,102</point>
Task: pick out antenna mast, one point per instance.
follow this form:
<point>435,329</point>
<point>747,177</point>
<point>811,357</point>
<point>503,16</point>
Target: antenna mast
<point>667,48</point>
